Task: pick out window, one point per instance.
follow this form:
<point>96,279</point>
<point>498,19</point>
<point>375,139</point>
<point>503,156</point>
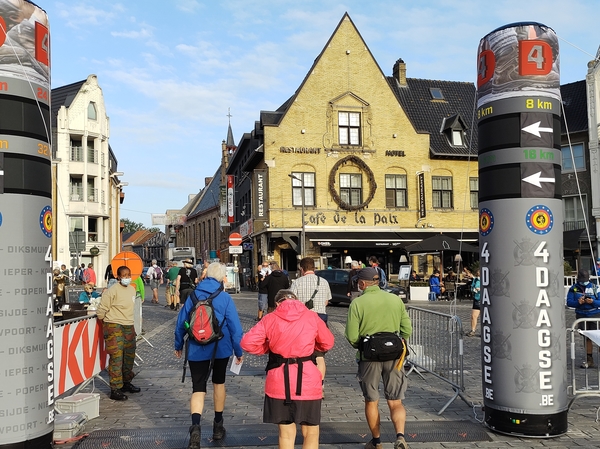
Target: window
<point>349,126</point>
<point>442,192</point>
<point>351,188</point>
<point>92,111</point>
<point>578,157</point>
<point>436,93</point>
<point>76,224</point>
<point>573,212</point>
<point>474,190</point>
<point>395,191</point>
<point>309,189</point>
<point>457,138</point>
<point>76,189</point>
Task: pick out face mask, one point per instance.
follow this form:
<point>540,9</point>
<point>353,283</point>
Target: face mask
<point>125,281</point>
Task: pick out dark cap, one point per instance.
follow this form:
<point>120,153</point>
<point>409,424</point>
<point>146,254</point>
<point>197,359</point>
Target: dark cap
<point>583,275</point>
<point>436,271</point>
<point>368,274</point>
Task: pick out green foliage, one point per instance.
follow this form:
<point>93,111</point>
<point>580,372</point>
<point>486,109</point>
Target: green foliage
<point>568,268</point>
<point>474,266</point>
<point>131,226</point>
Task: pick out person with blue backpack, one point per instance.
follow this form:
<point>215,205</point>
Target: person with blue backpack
<point>374,263</point>
<point>202,357</point>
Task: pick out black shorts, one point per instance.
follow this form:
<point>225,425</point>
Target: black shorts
<point>199,372</point>
<point>299,412</point>
<point>476,305</point>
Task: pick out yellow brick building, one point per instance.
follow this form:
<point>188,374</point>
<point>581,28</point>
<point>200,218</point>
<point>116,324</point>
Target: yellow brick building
<point>382,161</point>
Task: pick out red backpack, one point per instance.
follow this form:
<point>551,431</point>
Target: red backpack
<point>203,326</point>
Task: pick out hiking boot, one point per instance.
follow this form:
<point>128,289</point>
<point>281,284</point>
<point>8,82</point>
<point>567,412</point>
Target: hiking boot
<point>371,445</point>
<point>589,363</point>
<point>128,387</point>
<point>172,306</point>
<point>117,395</point>
<point>218,430</point>
<point>470,334</point>
<point>400,443</point>
<point>195,437</point>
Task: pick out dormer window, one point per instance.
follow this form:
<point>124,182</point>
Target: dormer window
<point>453,128</point>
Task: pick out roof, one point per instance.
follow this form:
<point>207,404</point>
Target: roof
<point>138,237</point>
<point>210,196</point>
<point>429,115</point>
<point>64,96</point>
<point>575,107</point>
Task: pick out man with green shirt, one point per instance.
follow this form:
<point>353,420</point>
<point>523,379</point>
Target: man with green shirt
<point>372,312</point>
<point>172,299</point>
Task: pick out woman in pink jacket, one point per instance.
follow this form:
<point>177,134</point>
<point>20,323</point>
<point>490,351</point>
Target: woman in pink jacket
<point>293,388</point>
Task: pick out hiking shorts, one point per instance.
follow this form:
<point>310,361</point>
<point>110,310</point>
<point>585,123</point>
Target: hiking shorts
<point>200,374</point>
<point>263,301</point>
<point>370,374</point>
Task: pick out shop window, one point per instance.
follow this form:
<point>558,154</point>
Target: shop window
<point>442,192</point>
<point>349,128</point>
<point>351,188</point>
<point>395,191</point>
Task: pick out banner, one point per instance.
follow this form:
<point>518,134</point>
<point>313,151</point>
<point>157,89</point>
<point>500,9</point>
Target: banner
<point>261,198</point>
<point>79,353</point>
<point>230,199</point>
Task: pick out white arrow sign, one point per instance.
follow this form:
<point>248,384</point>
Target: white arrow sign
<point>536,129</point>
<point>536,179</point>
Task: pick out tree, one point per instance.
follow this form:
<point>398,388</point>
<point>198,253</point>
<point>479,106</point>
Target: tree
<point>131,226</point>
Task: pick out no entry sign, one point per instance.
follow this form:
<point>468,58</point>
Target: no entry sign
<point>235,239</point>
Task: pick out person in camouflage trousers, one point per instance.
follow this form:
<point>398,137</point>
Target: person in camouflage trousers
<point>116,311</point>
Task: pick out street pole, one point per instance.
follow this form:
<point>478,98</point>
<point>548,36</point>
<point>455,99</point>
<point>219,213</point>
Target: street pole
<point>303,231</point>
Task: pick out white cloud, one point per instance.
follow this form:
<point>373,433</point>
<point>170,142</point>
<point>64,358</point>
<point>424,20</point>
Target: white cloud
<point>143,33</point>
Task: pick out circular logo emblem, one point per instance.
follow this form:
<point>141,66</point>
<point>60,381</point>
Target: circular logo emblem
<point>46,221</point>
<point>539,219</point>
<point>486,221</point>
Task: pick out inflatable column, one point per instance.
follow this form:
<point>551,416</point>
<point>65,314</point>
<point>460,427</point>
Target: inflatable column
<point>26,315</point>
<point>524,370</point>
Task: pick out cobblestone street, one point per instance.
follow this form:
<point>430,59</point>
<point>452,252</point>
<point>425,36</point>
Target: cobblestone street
<point>164,400</point>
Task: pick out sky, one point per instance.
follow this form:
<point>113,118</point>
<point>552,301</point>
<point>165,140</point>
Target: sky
<point>171,70</point>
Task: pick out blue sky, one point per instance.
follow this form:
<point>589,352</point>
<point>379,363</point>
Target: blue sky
<point>170,70</point>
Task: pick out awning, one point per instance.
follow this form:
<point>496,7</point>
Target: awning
<point>571,239</point>
<point>367,239</point>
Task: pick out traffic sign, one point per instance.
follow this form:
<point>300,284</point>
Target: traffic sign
<point>235,239</point>
<point>236,250</point>
<point>248,246</point>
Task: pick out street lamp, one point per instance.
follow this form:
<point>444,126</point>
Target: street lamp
<point>302,235</point>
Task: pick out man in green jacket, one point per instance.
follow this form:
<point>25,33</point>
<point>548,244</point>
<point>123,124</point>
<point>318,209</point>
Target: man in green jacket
<point>372,312</point>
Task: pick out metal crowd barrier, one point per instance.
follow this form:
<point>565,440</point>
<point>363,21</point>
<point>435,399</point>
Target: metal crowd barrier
<point>436,346</point>
<point>590,377</point>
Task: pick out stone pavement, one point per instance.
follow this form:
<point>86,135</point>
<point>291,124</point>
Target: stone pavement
<point>164,400</point>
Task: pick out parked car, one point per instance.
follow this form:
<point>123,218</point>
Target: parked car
<point>338,283</point>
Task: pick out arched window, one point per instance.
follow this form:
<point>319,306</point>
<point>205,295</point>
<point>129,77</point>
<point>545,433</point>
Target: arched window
<point>92,115</point>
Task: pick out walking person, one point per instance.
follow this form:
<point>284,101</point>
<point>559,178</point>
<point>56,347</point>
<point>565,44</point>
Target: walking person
<point>155,275</point>
<point>373,312</point>
<point>89,275</point>
<point>314,292</point>
<point>186,282</point>
<point>290,335</point>
<point>476,310</point>
<point>263,292</point>
<point>116,313</point>
<point>275,281</point>
<point>201,358</point>
<point>353,291</point>
<point>109,276</point>
<point>170,294</point>
<point>583,296</point>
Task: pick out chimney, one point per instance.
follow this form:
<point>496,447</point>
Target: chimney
<point>400,72</point>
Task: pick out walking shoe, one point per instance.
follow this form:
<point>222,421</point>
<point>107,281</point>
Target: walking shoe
<point>218,430</point>
<point>589,363</point>
<point>128,387</point>
<point>371,445</point>
<point>172,306</point>
<point>195,437</point>
<point>117,395</point>
<point>470,334</point>
<point>400,443</point>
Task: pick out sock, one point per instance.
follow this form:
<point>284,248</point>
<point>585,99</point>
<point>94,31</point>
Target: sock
<point>196,417</point>
<point>376,440</point>
<point>218,416</point>
<point>399,435</point>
